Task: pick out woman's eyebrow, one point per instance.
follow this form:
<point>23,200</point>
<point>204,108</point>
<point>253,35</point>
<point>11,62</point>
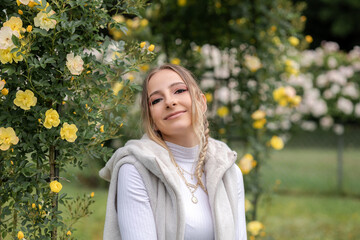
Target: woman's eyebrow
<point>170,86</point>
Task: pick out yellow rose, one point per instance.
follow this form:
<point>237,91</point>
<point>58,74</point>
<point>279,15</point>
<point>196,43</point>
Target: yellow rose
<point>259,124</point>
<point>257,115</point>
<point>102,128</point>
<point>55,186</point>
<point>151,47</point>
<point>175,61</point>
<point>68,132</point>
<point>222,111</point>
<point>92,194</point>
<point>118,86</point>
<point>25,100</point>
<point>254,227</point>
<point>20,235</point>
<point>51,118</point>
<point>209,97</point>
<point>68,233</point>
<point>74,63</point>
<point>29,28</point>
<point>32,4</point>
<point>7,138</point>
<point>293,41</point>
<point>17,57</point>
<point>44,21</point>
<point>295,101</point>
<point>33,205</point>
<point>144,22</point>
<point>252,63</point>
<point>277,143</point>
<point>14,23</point>
<point>279,93</point>
<point>142,44</point>
<point>247,163</point>
<point>144,67</point>
<point>20,12</point>
<point>181,3</point>
<point>248,205</point>
<point>6,56</point>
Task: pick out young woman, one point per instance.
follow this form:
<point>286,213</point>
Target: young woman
<point>175,182</point>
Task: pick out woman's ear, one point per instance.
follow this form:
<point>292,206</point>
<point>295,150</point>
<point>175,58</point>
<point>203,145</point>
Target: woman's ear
<point>203,103</point>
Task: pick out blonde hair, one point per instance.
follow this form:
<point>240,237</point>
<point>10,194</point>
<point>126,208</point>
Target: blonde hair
<point>198,117</point>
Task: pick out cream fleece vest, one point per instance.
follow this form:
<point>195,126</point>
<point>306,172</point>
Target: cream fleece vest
<point>162,184</point>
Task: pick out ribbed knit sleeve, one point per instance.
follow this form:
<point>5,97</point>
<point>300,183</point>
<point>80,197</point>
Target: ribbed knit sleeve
<point>135,216</point>
<point>241,230</point>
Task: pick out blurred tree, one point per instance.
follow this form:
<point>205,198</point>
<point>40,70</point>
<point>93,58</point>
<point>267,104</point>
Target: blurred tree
<point>333,20</point>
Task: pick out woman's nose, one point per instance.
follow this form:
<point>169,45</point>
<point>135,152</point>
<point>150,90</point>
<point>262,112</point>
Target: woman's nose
<point>170,102</point>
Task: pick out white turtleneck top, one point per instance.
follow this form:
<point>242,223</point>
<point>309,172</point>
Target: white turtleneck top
<point>135,216</point>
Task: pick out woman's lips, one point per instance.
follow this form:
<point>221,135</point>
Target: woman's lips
<point>174,115</point>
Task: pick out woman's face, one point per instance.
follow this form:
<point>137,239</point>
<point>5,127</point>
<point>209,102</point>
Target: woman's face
<point>170,105</point>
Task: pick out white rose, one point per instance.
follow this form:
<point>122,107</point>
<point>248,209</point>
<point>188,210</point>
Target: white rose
<point>25,2</point>
<point>43,20</point>
<point>74,64</point>
<point>357,110</point>
<point>252,63</point>
<point>5,38</point>
<point>345,105</point>
<point>326,122</point>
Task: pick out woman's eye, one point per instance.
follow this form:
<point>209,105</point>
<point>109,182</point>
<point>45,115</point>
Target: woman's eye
<point>180,91</point>
<point>155,101</point>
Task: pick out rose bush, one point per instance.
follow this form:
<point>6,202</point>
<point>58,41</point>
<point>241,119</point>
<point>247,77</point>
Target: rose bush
<point>58,67</point>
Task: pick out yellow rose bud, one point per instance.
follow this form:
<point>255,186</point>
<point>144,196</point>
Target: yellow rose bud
<point>222,130</point>
<point>33,205</point>
<point>142,44</point>
<point>20,235</point>
<point>308,39</point>
<point>11,162</point>
<point>68,233</point>
<point>151,47</point>
<point>121,125</point>
<point>102,145</point>
<point>20,12</point>
<point>102,128</point>
<point>40,207</point>
<point>92,194</point>
<point>55,186</point>
<point>4,91</point>
<point>277,143</point>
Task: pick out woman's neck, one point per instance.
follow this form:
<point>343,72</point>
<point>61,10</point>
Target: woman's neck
<point>184,140</point>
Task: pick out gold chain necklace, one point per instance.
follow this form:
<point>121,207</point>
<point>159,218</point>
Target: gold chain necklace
<point>192,188</point>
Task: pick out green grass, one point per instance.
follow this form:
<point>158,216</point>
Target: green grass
<point>306,204</point>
